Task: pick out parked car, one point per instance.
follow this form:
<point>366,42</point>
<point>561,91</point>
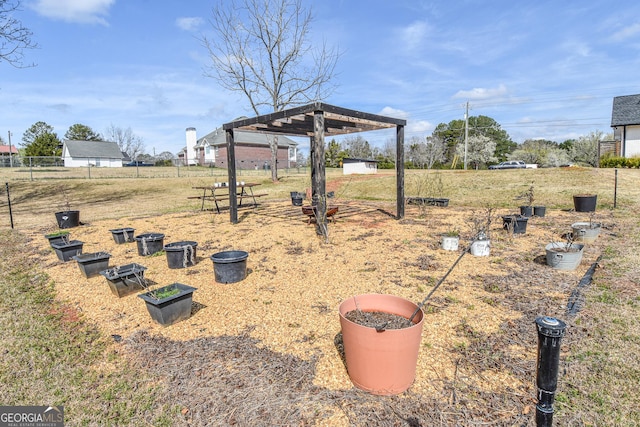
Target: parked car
<point>138,163</point>
<point>512,164</point>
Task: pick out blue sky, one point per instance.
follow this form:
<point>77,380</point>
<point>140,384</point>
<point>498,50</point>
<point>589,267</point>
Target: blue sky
<point>543,69</point>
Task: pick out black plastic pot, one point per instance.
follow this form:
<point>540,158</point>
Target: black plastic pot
<point>585,202</point>
<point>150,243</point>
<point>181,254</point>
<point>125,279</point>
<point>67,250</point>
<point>172,309</point>
<point>57,237</point>
<point>91,265</point>
<point>230,266</point>
<point>539,211</point>
<point>68,219</point>
<point>297,198</point>
<point>517,223</point>
<point>123,235</point>
<point>526,211</point>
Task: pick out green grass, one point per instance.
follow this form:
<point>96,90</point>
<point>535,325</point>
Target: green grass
<point>52,357</point>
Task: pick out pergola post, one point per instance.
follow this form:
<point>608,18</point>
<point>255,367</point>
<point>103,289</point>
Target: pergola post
<point>318,178</point>
<point>400,171</point>
<point>231,168</point>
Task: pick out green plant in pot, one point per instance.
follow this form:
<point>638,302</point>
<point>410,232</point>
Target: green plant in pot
<point>58,237</point>
<point>451,239</point>
<point>169,304</point>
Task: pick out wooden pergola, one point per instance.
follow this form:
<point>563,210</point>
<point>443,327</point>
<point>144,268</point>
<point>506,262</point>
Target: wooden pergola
<point>316,121</point>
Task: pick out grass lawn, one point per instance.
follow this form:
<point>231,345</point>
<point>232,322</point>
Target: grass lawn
<point>55,352</point>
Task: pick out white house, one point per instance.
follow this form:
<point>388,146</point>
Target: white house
<point>359,166</point>
<point>91,153</point>
<point>625,121</point>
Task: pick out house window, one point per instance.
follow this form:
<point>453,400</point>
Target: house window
<point>207,149</point>
<point>97,162</point>
<point>292,153</point>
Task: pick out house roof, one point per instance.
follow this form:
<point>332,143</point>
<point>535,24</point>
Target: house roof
<point>626,110</point>
<point>4,149</point>
<point>357,160</point>
<point>103,149</point>
<point>218,137</point>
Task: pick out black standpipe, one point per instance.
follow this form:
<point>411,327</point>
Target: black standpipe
<point>550,333</point>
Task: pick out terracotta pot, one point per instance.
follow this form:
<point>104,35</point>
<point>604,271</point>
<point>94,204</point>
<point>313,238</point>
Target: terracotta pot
<point>382,363</point>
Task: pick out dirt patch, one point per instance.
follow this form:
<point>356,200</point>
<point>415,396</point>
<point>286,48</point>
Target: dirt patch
<point>266,350</point>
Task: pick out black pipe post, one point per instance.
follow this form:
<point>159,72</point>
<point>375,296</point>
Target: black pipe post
<point>9,203</point>
<point>550,333</point>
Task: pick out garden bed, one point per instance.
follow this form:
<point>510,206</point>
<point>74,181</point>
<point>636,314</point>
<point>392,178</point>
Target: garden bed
<point>479,336</point>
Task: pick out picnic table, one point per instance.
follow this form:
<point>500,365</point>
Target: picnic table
<point>220,191</point>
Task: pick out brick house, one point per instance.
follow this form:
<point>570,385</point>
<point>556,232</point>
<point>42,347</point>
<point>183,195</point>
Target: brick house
<point>252,150</point>
<point>625,121</point>
<point>5,152</point>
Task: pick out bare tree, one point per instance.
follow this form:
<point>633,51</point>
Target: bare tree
<point>435,149</point>
<point>261,49</point>
<point>14,37</point>
<point>357,147</point>
<point>128,142</point>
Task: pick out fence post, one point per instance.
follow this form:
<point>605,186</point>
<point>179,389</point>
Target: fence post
<point>550,333</point>
<point>615,190</point>
<point>9,203</point>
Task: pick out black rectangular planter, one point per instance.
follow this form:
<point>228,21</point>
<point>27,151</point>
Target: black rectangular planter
<point>428,201</point>
<point>91,265</point>
<point>125,279</point>
<point>61,237</point>
<point>67,250</point>
<point>172,309</point>
<point>123,235</point>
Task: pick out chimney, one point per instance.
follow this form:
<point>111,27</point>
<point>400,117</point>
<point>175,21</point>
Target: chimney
<point>190,153</point>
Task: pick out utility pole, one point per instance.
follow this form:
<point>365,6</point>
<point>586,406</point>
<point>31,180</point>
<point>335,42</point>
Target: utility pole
<point>466,133</point>
<point>10,152</point>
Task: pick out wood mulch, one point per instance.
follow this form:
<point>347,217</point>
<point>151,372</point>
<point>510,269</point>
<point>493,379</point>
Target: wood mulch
<point>267,350</point>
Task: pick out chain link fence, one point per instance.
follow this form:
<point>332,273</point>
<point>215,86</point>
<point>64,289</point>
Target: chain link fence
<point>51,167</point>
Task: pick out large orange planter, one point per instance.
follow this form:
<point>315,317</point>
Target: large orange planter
<point>382,363</point>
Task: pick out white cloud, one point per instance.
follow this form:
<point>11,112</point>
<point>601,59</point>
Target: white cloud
<point>482,93</point>
<point>626,32</point>
<point>189,23</point>
<point>419,126</point>
<point>394,112</point>
<point>414,34</point>
<point>80,11</point>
